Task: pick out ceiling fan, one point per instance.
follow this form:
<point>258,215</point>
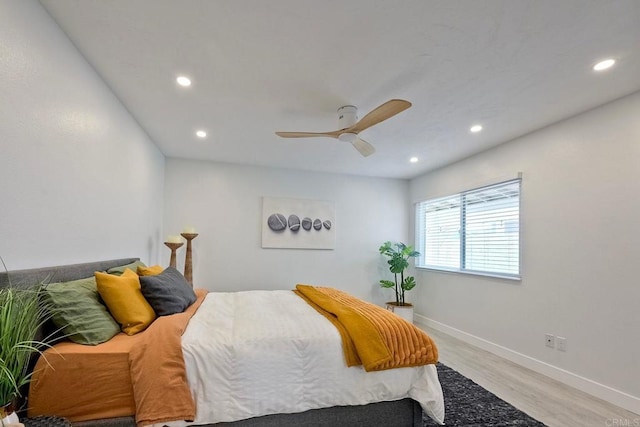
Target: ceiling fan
<point>350,127</point>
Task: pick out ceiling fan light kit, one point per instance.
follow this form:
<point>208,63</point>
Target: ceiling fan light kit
<point>347,137</point>
<point>350,127</point>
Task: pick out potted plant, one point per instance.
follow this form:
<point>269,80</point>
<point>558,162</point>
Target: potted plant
<point>399,255</point>
<point>21,316</point>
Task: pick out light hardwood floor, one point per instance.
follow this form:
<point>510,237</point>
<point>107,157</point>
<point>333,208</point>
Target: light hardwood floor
<point>545,399</point>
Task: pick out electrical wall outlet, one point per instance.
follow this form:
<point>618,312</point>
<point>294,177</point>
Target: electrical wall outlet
<point>550,340</point>
<point>562,343</point>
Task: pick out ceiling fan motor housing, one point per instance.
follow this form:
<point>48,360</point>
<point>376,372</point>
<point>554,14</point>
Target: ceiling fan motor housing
<point>347,116</point>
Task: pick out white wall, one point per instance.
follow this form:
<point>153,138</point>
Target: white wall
<point>224,203</point>
<point>79,179</point>
<point>580,216</point>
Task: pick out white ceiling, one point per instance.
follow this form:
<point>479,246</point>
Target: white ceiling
<point>258,67</point>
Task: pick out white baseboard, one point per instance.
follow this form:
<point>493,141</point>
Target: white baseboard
<point>609,394</point>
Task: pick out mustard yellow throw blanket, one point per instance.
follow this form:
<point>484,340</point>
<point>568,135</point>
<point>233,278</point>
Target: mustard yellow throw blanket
<point>371,336</point>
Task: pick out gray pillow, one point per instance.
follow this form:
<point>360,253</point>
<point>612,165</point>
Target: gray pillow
<point>76,309</point>
<point>168,292</point>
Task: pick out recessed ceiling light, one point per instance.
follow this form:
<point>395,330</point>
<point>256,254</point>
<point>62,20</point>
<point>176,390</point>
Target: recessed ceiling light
<point>184,81</point>
<point>603,65</point>
<point>201,134</point>
<point>413,160</point>
<point>475,128</point>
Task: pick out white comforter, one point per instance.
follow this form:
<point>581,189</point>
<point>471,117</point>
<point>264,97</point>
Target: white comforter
<point>263,352</point>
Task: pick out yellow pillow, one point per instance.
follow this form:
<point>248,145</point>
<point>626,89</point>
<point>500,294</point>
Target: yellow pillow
<point>125,301</point>
<point>150,271</point>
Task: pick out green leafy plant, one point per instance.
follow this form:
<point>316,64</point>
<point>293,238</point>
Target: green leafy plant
<point>21,316</point>
<point>399,255</point>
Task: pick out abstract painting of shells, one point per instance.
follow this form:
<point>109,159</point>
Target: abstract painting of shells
<point>298,223</point>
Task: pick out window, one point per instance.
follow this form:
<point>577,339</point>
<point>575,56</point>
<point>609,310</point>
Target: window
<point>476,231</point>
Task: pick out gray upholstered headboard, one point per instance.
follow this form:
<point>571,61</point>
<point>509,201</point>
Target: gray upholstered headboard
<point>61,273</point>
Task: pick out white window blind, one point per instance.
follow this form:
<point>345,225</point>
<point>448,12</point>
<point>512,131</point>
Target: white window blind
<point>474,231</point>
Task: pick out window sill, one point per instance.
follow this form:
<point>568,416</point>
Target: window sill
<point>515,278</point>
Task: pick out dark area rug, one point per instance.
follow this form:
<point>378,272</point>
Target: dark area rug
<point>469,405</point>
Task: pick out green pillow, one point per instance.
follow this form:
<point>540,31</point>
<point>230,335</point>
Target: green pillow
<point>119,270</point>
<point>76,309</point>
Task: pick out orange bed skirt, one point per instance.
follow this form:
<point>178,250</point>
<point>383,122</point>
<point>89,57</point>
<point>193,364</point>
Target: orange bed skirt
<point>84,382</point>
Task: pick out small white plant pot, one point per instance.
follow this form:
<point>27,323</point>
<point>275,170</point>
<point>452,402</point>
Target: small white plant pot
<point>8,415</point>
<point>404,311</point>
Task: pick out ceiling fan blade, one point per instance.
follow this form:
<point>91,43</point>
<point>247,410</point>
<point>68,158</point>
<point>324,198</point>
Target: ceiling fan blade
<point>379,114</point>
<point>363,147</point>
<point>333,134</point>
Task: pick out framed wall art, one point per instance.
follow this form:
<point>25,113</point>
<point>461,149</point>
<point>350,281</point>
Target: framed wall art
<point>298,223</point>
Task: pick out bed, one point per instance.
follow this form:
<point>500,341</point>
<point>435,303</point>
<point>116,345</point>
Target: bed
<point>381,400</point>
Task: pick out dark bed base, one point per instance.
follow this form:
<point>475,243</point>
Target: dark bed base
<point>400,413</point>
